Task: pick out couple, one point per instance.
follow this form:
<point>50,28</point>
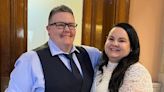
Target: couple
<point>59,66</point>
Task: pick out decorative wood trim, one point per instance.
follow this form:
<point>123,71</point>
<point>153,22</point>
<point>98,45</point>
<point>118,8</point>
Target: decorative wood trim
<point>99,16</point>
<point>122,11</point>
<point>13,36</point>
<point>18,29</point>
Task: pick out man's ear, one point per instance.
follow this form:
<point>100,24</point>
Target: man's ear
<point>47,27</point>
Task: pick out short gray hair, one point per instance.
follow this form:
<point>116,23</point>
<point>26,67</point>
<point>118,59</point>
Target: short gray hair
<point>61,8</point>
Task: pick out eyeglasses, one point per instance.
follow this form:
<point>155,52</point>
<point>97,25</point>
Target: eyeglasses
<point>62,25</point>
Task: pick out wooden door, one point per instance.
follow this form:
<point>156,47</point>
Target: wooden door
<point>98,18</point>
<point>13,36</point>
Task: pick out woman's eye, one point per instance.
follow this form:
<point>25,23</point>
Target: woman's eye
<point>122,41</point>
<point>111,39</point>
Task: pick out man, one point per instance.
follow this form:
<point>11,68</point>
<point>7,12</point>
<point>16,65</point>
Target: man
<point>49,68</point>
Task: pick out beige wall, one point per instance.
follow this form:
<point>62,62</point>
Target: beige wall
<point>161,74</point>
<point>147,16</point>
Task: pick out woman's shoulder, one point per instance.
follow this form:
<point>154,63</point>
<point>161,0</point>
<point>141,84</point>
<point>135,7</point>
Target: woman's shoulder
<point>137,67</point>
<point>138,79</point>
<point>137,71</point>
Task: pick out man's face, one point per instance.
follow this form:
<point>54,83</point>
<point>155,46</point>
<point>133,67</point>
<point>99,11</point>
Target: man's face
<point>61,29</point>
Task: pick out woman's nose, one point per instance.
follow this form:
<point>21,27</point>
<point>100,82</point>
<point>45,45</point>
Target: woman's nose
<point>115,43</point>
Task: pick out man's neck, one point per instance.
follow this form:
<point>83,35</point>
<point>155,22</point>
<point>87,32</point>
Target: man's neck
<point>66,49</point>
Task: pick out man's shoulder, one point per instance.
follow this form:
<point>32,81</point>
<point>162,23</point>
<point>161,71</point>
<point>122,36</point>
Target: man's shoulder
<point>89,48</point>
<point>26,57</point>
<point>28,54</point>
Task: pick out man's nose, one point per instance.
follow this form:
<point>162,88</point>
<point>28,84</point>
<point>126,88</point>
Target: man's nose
<point>66,28</point>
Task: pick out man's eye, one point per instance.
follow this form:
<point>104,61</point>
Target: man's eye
<point>60,24</point>
<point>71,25</point>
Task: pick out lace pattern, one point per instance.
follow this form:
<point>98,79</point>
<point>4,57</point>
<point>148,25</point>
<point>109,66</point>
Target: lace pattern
<point>136,79</point>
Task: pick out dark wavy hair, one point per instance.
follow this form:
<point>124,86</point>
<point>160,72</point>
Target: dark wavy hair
<point>118,74</point>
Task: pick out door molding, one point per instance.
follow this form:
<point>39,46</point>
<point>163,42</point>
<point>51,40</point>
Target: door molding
<point>99,16</point>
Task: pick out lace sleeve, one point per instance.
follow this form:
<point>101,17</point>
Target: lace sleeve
<point>137,79</point>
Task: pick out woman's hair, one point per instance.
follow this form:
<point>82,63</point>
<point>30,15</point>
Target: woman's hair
<point>133,57</point>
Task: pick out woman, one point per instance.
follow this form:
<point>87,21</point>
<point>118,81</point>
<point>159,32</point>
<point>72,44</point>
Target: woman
<point>121,70</point>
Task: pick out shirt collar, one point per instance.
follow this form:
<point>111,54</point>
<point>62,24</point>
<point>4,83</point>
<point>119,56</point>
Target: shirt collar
<point>55,50</point>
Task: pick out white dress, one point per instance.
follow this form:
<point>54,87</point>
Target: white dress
<point>136,79</point>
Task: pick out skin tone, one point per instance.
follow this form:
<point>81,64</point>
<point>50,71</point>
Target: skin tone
<point>62,37</point>
<point>117,44</point>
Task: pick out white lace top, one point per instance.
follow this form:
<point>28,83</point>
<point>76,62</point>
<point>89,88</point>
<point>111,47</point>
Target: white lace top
<point>136,79</point>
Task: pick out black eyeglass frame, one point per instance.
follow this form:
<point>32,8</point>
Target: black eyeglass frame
<point>62,25</point>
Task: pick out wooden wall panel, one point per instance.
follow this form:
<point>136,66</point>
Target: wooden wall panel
<point>86,39</point>
<point>98,23</point>
<point>122,11</point>
<point>13,36</point>
<point>4,42</point>
<point>100,16</point>
<point>19,28</point>
<point>5,37</point>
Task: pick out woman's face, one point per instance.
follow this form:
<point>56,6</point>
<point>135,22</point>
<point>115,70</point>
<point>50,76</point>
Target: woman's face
<point>117,44</point>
